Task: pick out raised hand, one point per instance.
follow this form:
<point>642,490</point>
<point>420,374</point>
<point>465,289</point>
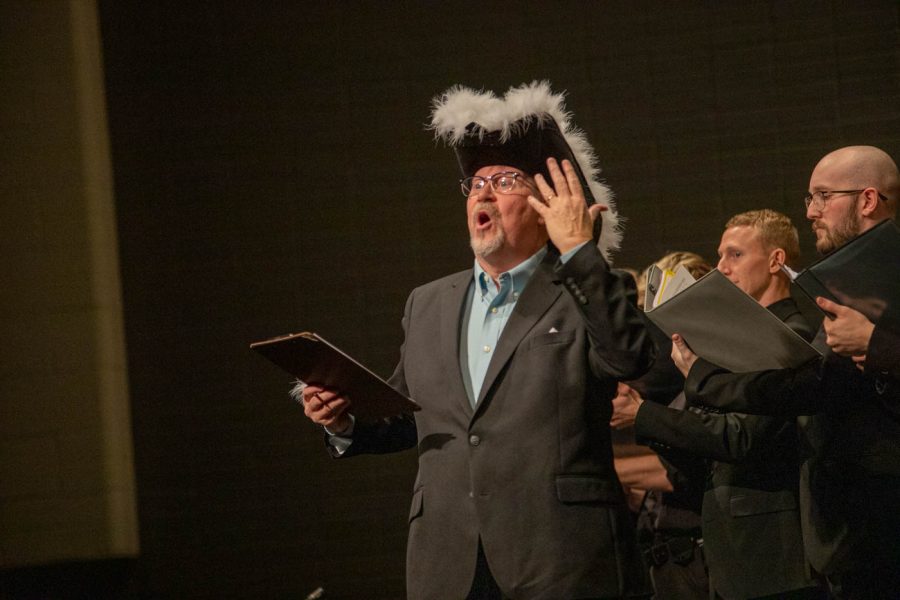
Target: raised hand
<point>562,207</point>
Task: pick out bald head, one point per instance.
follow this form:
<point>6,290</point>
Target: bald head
<point>858,167</point>
<point>857,187</point>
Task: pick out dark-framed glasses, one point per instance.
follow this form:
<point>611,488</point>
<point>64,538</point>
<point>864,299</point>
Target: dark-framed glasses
<point>501,183</point>
<point>820,198</point>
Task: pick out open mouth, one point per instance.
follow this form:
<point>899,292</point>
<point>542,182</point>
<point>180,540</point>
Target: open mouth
<point>482,219</point>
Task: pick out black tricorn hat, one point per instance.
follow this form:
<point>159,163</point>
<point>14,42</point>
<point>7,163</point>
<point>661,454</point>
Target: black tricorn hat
<point>532,142</point>
<point>522,129</point>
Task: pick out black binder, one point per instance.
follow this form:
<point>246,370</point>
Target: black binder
<point>863,274</point>
<point>311,359</point>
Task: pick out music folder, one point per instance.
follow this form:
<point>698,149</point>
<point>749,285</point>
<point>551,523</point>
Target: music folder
<point>311,359</point>
<point>727,327</point>
<point>863,274</point>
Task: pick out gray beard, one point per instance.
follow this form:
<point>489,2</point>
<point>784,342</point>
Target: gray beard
<point>484,248</point>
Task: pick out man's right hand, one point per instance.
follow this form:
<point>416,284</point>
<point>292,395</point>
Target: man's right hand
<point>625,406</point>
<point>849,332</point>
<point>327,408</point>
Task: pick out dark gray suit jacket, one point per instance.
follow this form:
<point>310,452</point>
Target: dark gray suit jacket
<point>883,357</point>
<point>529,471</point>
<point>850,482</point>
<point>750,519</point>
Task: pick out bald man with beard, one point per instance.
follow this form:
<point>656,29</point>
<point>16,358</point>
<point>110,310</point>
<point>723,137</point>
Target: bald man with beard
<point>850,480</point>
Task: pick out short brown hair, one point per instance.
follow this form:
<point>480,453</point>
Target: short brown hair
<point>775,231</point>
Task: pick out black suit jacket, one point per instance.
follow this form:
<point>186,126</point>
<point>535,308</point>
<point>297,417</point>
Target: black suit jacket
<point>750,520</point>
<point>529,470</point>
<point>850,481</point>
<point>883,357</point>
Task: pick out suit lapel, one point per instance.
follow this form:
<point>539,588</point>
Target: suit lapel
<point>452,303</point>
<point>536,299</point>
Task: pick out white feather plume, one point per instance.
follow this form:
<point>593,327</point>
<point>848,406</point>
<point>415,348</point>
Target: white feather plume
<point>459,106</point>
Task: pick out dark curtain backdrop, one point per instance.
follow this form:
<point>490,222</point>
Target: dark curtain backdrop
<point>272,175</point>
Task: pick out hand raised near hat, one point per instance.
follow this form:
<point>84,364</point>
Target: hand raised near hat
<point>569,221</point>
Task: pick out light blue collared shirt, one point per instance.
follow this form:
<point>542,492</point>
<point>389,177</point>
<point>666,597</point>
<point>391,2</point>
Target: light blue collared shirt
<point>487,311</point>
<point>484,317</point>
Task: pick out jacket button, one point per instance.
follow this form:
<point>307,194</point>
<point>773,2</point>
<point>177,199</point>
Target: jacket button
<point>474,440</point>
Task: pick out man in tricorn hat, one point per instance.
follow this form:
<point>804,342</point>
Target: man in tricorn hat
<point>514,362</point>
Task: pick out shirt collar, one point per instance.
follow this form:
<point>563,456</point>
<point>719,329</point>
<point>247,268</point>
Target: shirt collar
<point>520,274</point>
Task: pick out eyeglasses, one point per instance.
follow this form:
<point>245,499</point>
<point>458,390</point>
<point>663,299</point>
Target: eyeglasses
<point>501,183</point>
<point>818,199</point>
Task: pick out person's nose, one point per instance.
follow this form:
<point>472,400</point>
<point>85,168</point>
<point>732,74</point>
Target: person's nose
<point>722,266</point>
<point>812,212</point>
<point>484,194</point>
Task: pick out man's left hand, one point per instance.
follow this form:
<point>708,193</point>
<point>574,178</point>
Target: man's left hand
<point>682,355</point>
<point>563,209</point>
<point>848,334</point>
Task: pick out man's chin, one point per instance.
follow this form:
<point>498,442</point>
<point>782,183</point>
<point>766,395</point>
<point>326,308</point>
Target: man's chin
<point>828,243</point>
<point>824,246</point>
<point>483,248</point>
<point>824,241</point>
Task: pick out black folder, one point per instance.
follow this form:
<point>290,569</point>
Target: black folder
<point>863,274</point>
<point>311,359</point>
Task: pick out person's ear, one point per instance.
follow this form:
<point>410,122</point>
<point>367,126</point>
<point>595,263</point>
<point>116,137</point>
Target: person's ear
<point>776,259</point>
<point>870,202</point>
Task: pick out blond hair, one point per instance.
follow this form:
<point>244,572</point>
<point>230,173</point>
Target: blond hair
<point>694,263</point>
<point>775,231</point>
